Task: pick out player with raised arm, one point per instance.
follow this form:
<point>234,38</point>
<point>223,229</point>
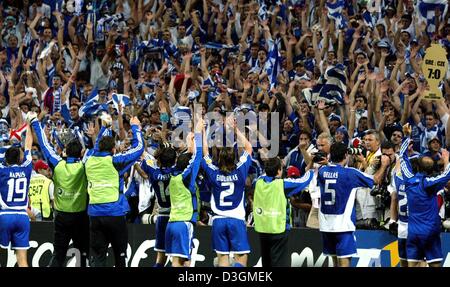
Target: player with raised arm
<point>15,174</point>
<point>337,214</point>
<point>159,174</point>
<point>108,206</point>
<point>424,223</point>
<point>271,211</point>
<point>229,233</point>
<point>183,206</point>
<point>399,213</point>
<point>69,177</point>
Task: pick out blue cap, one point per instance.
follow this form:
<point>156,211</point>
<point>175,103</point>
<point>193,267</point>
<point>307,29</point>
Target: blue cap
<point>334,117</point>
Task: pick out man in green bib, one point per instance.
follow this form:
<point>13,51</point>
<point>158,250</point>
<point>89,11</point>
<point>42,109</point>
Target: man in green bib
<point>271,211</point>
<point>108,206</point>
<point>183,201</point>
<point>41,191</point>
<point>70,198</point>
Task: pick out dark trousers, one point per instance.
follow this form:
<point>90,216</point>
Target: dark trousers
<point>105,230</point>
<point>274,249</point>
<point>68,226</point>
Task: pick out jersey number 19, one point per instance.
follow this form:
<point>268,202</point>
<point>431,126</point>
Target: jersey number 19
<point>18,185</point>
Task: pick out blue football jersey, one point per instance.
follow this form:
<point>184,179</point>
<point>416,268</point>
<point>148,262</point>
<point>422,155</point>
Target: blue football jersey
<point>423,213</point>
<point>228,189</point>
<point>337,195</point>
<point>15,181</point>
<point>159,179</point>
<point>401,198</point>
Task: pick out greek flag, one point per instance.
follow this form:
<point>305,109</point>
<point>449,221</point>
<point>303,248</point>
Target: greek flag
<point>274,64</point>
<point>427,12</point>
<point>335,13</point>
<point>368,19</point>
<point>181,116</point>
<point>263,12</point>
<point>122,99</point>
<point>331,87</point>
<point>92,107</point>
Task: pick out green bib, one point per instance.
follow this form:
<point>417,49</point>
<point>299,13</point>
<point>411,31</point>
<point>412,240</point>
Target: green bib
<point>70,187</point>
<point>103,180</point>
<point>269,207</point>
<point>181,208</point>
<point>38,192</point>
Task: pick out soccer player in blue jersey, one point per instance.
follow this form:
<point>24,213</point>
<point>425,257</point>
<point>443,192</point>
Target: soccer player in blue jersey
<point>399,213</point>
<point>15,173</point>
<point>424,223</point>
<point>337,215</point>
<point>229,233</point>
<point>183,201</point>
<point>159,173</point>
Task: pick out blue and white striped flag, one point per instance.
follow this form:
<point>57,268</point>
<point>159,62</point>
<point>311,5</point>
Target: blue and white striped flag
<point>181,116</point>
<point>274,64</point>
<point>92,106</point>
<point>427,12</point>
<point>335,85</point>
<point>335,13</point>
<point>122,99</point>
<point>368,19</point>
<point>263,13</point>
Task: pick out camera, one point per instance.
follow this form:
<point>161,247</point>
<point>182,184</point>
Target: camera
<point>319,156</point>
<point>382,196</point>
<point>357,151</point>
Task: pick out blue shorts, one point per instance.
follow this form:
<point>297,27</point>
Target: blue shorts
<point>229,235</point>
<point>419,247</point>
<point>179,236</point>
<point>161,225</point>
<point>14,230</point>
<point>402,249</point>
<point>340,244</point>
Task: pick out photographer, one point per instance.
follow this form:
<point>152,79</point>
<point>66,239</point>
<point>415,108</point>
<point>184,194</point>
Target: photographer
<point>319,158</point>
<point>383,199</point>
<point>373,163</point>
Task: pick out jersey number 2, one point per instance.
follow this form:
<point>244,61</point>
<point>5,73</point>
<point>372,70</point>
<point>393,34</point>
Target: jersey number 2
<point>19,186</point>
<point>226,193</point>
<point>331,191</point>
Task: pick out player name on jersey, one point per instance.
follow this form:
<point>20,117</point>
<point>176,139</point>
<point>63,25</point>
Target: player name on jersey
<point>16,174</point>
<point>221,178</point>
<point>327,174</point>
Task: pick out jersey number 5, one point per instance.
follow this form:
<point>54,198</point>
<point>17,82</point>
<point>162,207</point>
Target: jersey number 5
<point>328,189</point>
<point>20,187</point>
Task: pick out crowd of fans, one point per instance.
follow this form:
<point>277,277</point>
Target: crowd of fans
<point>334,70</point>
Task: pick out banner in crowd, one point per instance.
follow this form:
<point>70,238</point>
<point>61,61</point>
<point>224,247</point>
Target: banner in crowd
<point>434,68</point>
<point>375,248</point>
